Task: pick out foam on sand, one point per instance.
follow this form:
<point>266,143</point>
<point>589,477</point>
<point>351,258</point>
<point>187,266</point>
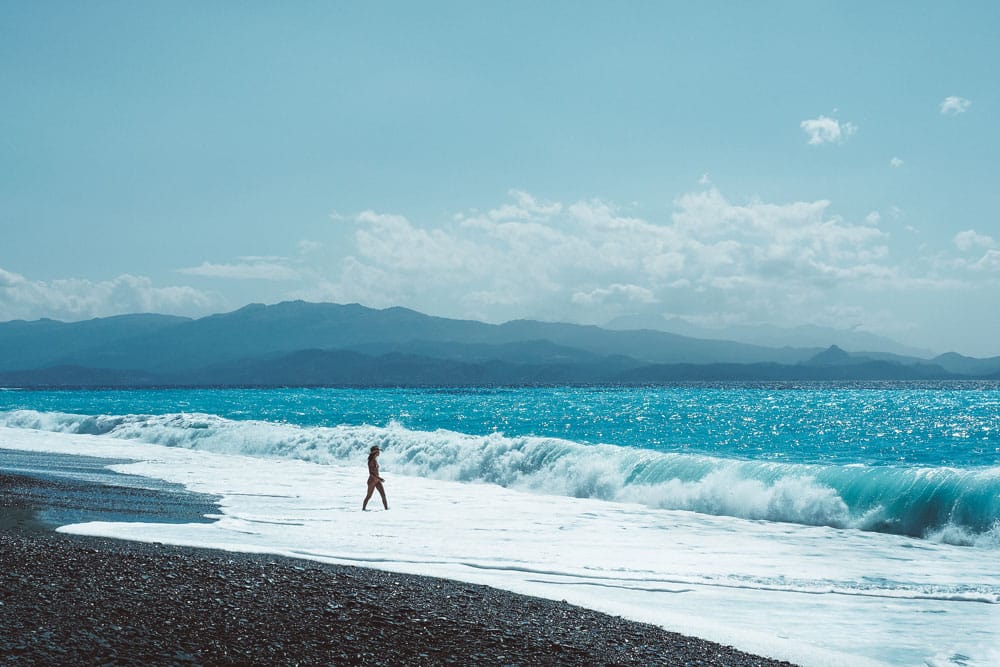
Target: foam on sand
<point>811,594</point>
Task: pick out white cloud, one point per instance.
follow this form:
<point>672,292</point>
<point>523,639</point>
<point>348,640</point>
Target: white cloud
<point>825,130</point>
<point>704,180</point>
<point>953,105</point>
<point>988,262</point>
<point>10,280</point>
<point>616,292</point>
<point>395,242</point>
<point>970,239</point>
<point>532,206</point>
<point>896,162</point>
<point>589,260</point>
<point>77,298</point>
<point>524,207</point>
<point>246,268</point>
<point>873,218</point>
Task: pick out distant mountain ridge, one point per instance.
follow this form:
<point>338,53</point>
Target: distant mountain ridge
<point>43,342</point>
<point>806,335</point>
<point>300,343</point>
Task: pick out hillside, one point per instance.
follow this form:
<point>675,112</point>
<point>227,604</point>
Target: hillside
<point>299,343</point>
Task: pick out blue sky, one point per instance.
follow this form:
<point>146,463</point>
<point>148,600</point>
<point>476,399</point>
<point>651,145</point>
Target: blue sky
<point>789,163</point>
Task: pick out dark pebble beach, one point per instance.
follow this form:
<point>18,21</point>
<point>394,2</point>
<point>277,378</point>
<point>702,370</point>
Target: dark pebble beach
<point>70,600</point>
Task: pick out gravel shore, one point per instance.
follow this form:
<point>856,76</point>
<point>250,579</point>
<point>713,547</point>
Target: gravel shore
<point>88,601</point>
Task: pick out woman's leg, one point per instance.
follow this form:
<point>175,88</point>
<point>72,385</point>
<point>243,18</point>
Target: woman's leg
<point>371,489</point>
<point>381,491</point>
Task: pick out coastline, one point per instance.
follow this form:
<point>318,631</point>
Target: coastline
<point>86,600</point>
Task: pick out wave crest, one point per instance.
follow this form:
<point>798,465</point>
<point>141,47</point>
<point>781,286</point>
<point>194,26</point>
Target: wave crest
<point>957,506</point>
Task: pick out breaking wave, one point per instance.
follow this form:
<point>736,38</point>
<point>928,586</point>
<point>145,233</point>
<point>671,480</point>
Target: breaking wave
<point>953,505</point>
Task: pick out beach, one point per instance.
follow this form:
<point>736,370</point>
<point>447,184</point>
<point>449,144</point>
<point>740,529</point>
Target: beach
<point>788,555</point>
<point>69,599</point>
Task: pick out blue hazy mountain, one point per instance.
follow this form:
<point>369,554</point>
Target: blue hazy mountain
<point>27,345</point>
<point>299,343</point>
<point>257,330</point>
<point>807,335</point>
<point>957,363</point>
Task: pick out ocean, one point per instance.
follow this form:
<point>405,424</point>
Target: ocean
<point>824,524</point>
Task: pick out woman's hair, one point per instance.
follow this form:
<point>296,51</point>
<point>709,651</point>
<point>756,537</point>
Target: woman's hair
<point>373,449</point>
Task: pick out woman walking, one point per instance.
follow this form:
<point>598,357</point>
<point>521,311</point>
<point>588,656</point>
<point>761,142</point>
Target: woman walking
<point>374,481</point>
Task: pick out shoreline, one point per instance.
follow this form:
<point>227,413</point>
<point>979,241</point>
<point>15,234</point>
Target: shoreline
<point>86,600</point>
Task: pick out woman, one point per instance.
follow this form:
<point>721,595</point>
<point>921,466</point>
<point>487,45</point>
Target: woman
<point>374,481</point>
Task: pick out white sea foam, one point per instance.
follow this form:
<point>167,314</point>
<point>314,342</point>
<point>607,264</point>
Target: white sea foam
<point>811,594</point>
<point>961,536</point>
<point>726,492</point>
<point>953,506</point>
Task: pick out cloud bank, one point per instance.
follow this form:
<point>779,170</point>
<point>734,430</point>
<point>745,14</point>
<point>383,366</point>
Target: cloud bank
<point>77,299</point>
<point>591,260</point>
<point>706,259</point>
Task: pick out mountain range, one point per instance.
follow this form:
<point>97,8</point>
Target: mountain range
<point>806,335</point>
<point>306,344</point>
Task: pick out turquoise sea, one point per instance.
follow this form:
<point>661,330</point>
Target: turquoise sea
<point>921,460</point>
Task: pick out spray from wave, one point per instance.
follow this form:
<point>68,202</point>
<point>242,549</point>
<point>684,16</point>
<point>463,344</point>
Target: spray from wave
<point>956,506</point>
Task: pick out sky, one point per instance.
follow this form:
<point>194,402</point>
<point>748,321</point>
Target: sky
<point>724,163</point>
